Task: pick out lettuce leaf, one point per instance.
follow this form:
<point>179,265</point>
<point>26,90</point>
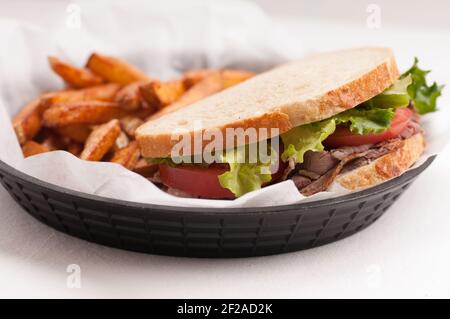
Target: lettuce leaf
<point>423,96</point>
<point>363,120</point>
<point>394,96</point>
<point>243,177</point>
<point>309,137</point>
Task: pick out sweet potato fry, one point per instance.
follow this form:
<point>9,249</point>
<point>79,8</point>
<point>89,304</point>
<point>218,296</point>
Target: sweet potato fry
<point>86,112</point>
<point>75,132</point>
<point>114,70</point>
<point>53,142</point>
<point>127,156</point>
<point>144,168</point>
<point>211,84</point>
<point>32,148</point>
<point>100,141</point>
<point>230,76</point>
<point>192,77</point>
<point>129,97</point>
<point>129,124</point>
<point>233,77</point>
<point>121,141</point>
<point>159,94</point>
<point>28,121</point>
<point>74,148</point>
<point>104,92</point>
<point>74,77</point>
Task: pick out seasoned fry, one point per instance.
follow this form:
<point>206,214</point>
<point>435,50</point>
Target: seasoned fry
<point>53,142</point>
<point>104,92</point>
<point>129,97</point>
<point>28,121</point>
<point>127,156</point>
<point>114,69</point>
<point>74,148</point>
<point>121,141</point>
<point>32,148</point>
<point>233,77</point>
<point>230,76</point>
<point>76,132</point>
<point>100,141</point>
<point>75,77</point>
<point>145,169</point>
<point>192,77</point>
<point>213,83</point>
<point>86,112</point>
<point>159,94</point>
<point>129,124</point>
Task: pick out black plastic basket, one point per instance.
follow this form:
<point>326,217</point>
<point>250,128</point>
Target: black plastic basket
<point>202,232</point>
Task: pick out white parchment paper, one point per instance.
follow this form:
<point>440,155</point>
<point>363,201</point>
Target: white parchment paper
<point>163,41</point>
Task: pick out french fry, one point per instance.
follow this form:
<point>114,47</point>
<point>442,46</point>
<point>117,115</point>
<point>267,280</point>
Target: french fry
<point>233,77</point>
<point>85,112</point>
<point>129,97</point>
<point>75,132</point>
<point>127,156</point>
<point>100,141</point>
<point>142,113</point>
<point>211,84</point>
<point>159,94</point>
<point>129,124</point>
<point>192,77</point>
<point>103,92</point>
<point>115,70</point>
<point>144,168</point>
<point>32,148</point>
<point>74,148</point>
<point>230,76</point>
<point>53,142</point>
<point>28,121</point>
<point>121,141</point>
<point>75,77</point>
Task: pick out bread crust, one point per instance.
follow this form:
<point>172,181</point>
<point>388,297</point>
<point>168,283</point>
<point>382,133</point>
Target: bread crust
<point>385,167</point>
<point>163,146</point>
<point>289,113</point>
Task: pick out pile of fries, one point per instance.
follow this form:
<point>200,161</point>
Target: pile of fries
<point>97,113</point>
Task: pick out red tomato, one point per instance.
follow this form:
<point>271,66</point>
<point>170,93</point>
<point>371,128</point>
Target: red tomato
<point>196,180</point>
<point>202,181</point>
<point>344,137</point>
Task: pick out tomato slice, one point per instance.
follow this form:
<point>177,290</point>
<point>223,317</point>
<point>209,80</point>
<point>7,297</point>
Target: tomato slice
<point>203,181</point>
<point>344,137</point>
<point>196,180</point>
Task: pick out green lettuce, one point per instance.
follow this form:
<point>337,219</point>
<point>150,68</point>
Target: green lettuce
<point>243,177</point>
<point>422,95</point>
<point>301,139</point>
<point>395,96</point>
<point>363,120</point>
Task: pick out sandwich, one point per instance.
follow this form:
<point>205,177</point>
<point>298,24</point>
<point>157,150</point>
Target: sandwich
<point>346,117</point>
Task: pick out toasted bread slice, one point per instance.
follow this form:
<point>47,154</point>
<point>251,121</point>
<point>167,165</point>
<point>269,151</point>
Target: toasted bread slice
<point>301,92</point>
<point>386,167</point>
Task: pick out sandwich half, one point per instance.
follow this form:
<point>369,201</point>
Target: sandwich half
<point>346,117</point>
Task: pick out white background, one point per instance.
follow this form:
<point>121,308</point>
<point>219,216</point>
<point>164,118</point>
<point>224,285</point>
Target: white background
<point>404,254</point>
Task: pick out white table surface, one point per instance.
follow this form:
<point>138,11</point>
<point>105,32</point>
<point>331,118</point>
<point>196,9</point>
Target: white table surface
<point>404,254</point>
